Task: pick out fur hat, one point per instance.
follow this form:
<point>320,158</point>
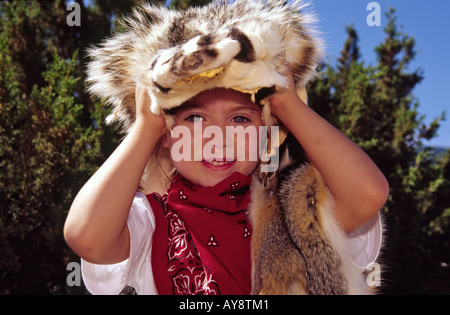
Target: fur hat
<point>243,46</point>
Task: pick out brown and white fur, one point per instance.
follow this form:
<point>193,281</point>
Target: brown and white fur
<point>297,245</point>
<point>164,49</point>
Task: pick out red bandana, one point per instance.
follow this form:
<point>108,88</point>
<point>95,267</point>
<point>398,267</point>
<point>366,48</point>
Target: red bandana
<point>201,244</point>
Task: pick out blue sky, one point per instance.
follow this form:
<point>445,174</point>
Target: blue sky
<point>427,22</point>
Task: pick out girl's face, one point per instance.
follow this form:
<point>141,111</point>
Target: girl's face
<point>206,158</point>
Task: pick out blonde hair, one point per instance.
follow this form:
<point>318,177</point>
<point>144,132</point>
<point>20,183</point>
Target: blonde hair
<point>158,173</point>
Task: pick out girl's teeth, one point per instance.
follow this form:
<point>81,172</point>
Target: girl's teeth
<point>219,163</point>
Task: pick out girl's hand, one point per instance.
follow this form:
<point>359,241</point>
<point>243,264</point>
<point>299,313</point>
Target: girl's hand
<point>280,102</point>
<point>96,226</point>
<point>358,187</point>
<point>144,115</point>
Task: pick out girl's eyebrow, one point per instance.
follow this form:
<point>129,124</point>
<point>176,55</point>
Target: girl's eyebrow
<point>195,106</point>
<point>248,108</point>
<point>182,108</point>
<point>192,106</point>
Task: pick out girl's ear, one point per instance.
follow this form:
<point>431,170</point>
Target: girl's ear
<point>165,140</point>
<point>170,122</point>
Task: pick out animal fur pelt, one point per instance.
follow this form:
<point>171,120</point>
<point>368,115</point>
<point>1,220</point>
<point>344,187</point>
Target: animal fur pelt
<point>177,54</point>
<point>297,245</point>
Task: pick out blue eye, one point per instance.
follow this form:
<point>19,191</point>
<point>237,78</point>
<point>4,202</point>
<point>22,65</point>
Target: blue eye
<point>240,119</point>
<point>194,118</point>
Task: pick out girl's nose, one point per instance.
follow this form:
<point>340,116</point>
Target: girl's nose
<point>216,139</point>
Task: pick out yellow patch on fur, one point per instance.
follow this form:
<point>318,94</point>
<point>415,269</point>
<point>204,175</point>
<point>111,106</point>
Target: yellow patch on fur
<point>206,74</point>
<point>251,92</point>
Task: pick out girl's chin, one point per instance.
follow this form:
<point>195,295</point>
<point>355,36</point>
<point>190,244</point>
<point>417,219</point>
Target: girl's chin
<point>207,174</point>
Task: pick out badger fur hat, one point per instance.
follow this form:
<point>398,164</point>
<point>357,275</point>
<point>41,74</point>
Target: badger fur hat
<point>241,45</point>
<point>177,54</point>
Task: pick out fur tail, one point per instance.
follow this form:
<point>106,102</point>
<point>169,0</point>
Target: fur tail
<point>302,194</point>
<point>277,266</point>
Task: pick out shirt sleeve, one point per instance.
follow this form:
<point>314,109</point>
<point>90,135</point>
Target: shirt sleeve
<point>365,243</point>
<point>134,271</point>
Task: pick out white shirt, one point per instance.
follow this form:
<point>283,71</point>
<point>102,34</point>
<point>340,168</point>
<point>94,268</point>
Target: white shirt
<point>136,271</point>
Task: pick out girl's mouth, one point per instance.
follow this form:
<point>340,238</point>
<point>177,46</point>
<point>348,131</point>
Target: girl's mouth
<point>218,165</point>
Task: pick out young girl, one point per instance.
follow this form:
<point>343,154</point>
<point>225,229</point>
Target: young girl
<point>184,242</point>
